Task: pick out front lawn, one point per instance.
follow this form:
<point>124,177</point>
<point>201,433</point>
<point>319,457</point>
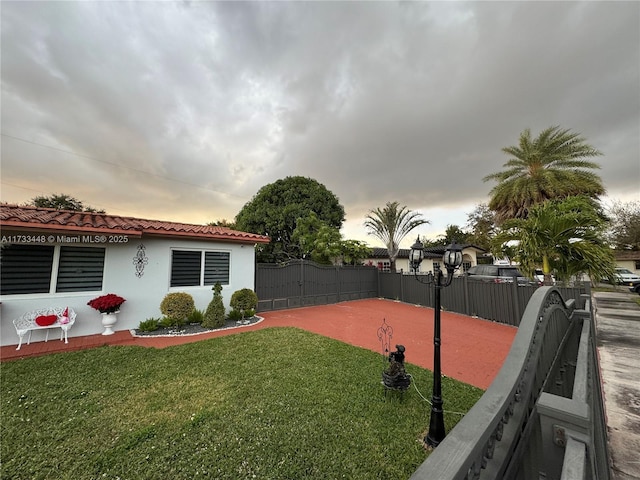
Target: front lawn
<point>278,403</point>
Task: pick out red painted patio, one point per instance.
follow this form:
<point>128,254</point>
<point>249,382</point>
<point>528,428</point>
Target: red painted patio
<point>473,349</point>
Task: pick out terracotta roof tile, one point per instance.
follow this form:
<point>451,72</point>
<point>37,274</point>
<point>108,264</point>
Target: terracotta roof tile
<point>49,219</point>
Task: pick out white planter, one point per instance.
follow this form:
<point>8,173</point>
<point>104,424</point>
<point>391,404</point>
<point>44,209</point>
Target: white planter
<point>108,321</point>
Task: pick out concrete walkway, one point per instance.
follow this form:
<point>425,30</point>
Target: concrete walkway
<point>618,339</point>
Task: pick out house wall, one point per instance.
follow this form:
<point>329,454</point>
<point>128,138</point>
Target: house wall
<point>629,264</point>
<point>143,294</point>
<point>468,255</point>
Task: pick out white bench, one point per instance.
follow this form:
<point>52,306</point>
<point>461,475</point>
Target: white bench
<point>27,323</point>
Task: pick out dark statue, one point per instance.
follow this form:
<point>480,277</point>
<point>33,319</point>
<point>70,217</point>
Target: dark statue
<point>394,376</point>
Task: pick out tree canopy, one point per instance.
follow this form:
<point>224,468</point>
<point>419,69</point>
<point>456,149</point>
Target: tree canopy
<point>624,233</point>
<point>481,225</point>
<point>276,209</point>
<point>551,166</point>
<point>62,201</point>
<point>391,224</point>
<point>566,237</point>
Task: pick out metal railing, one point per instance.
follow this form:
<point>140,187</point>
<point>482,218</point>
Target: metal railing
<point>543,416</point>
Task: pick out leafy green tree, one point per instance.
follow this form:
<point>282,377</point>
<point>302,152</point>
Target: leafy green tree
<point>624,232</point>
<point>316,240</point>
<point>481,224</point>
<point>566,237</point>
<point>223,223</point>
<point>62,201</point>
<point>550,166</point>
<point>391,224</point>
<point>354,252</point>
<point>276,209</point>
<point>454,233</point>
<point>324,244</point>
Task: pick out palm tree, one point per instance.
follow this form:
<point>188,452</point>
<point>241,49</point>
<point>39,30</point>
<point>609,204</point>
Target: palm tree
<point>567,237</point>
<point>391,224</point>
<point>551,166</point>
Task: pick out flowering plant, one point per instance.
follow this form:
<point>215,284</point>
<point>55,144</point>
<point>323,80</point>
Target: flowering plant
<point>109,303</point>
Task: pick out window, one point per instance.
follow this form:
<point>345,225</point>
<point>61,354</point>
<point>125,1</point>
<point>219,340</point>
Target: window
<point>30,269</point>
<point>466,266</point>
<point>191,268</point>
<point>80,269</point>
<point>384,266</point>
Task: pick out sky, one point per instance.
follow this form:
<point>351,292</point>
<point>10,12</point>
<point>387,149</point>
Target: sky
<point>182,111</point>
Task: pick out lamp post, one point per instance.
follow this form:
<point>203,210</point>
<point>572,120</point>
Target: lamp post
<point>452,260</point>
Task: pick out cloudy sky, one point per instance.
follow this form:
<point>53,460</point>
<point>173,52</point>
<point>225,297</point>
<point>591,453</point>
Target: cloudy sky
<point>182,111</point>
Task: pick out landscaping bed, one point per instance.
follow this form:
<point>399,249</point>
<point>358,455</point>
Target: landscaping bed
<point>194,328</point>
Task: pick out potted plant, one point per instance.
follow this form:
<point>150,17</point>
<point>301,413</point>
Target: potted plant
<point>109,306</point>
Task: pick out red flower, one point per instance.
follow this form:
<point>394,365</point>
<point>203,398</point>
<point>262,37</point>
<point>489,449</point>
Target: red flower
<point>109,303</point>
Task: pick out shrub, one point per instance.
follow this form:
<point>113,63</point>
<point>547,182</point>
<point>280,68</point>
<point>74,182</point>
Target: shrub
<point>249,313</point>
<point>214,316</point>
<point>197,316</point>
<point>235,315</point>
<point>166,322</point>
<point>177,306</point>
<point>149,325</point>
<point>244,300</point>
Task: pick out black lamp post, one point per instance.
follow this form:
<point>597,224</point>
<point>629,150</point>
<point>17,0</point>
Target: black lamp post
<point>452,260</point>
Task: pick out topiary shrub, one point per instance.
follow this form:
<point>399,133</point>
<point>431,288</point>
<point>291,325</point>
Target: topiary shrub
<point>149,325</point>
<point>244,300</point>
<point>177,306</point>
<point>214,315</point>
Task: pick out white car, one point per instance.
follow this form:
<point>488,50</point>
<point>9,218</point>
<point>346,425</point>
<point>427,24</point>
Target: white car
<point>625,276</point>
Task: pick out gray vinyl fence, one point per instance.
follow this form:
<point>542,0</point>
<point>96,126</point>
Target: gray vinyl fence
<point>302,283</point>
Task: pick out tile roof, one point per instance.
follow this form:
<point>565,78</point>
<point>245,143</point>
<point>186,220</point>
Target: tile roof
<point>14,217</point>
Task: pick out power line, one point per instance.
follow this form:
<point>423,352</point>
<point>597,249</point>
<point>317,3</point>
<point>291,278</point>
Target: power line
<point>169,179</point>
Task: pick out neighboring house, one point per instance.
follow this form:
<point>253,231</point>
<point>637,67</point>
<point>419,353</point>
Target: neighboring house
<point>628,259</point>
<point>432,259</point>
<point>59,258</point>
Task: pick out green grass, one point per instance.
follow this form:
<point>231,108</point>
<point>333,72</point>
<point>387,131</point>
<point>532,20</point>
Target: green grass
<point>278,403</point>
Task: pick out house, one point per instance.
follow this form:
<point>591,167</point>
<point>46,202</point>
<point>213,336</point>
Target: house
<point>628,259</point>
<point>432,259</point>
<point>65,258</point>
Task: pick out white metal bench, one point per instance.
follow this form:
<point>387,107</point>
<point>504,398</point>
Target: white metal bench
<point>27,323</point>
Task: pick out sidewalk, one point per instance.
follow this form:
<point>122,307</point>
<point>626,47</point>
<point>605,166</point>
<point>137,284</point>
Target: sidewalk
<point>472,350</point>
<point>618,339</point>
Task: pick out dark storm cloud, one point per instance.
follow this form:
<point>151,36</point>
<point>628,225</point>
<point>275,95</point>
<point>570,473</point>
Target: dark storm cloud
<point>379,101</point>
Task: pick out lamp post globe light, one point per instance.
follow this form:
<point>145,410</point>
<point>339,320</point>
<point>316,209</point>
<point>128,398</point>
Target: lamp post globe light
<point>452,260</point>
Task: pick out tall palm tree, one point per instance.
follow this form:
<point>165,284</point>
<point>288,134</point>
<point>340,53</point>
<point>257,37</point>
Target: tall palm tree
<point>550,166</point>
<point>391,224</point>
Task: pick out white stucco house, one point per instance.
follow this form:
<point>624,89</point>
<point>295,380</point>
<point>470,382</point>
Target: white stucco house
<point>59,258</point>
<point>432,259</point>
<point>629,259</point>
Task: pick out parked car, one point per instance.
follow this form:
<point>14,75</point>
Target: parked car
<point>624,276</point>
<point>499,274</point>
<point>634,287</point>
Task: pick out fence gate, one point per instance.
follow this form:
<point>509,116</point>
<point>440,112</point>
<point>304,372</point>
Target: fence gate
<point>301,283</point>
